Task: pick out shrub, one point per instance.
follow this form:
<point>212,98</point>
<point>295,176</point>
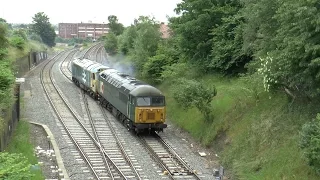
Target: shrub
<point>170,73</point>
<point>14,166</point>
<point>190,93</point>
<point>6,81</point>
<point>20,33</point>
<point>310,142</point>
<point>35,37</point>
<point>18,42</point>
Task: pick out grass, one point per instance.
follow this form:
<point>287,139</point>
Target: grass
<point>20,143</point>
<point>15,53</point>
<point>256,133</point>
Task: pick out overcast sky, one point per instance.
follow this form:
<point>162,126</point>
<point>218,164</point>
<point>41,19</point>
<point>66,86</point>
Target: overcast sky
<point>75,11</point>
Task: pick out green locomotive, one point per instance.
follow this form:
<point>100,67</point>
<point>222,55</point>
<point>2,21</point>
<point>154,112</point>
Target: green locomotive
<point>137,105</point>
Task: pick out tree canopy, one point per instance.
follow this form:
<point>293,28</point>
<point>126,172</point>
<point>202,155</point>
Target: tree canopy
<point>44,29</point>
<point>115,27</point>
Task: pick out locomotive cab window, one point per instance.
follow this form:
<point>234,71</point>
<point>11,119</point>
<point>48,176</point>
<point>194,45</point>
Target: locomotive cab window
<point>150,101</point>
<point>143,101</point>
<point>157,101</point>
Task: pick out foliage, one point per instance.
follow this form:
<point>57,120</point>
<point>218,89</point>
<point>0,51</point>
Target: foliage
<point>115,27</point>
<point>111,44</point>
<point>14,166</point>
<point>127,38</point>
<point>18,42</point>
<point>166,55</point>
<point>6,81</point>
<point>3,39</point>
<point>252,140</point>
<point>170,73</point>
<point>35,37</point>
<point>6,75</point>
<point>20,144</point>
<point>2,20</point>
<point>192,93</point>
<point>20,33</point>
<point>43,28</point>
<point>60,40</point>
<point>310,142</point>
<point>194,26</point>
<point>287,32</point>
<point>146,42</point>
<point>227,53</point>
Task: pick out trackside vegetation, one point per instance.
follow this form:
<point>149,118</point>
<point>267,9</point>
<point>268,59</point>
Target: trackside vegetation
<point>261,57</point>
<point>21,150</point>
<point>17,158</point>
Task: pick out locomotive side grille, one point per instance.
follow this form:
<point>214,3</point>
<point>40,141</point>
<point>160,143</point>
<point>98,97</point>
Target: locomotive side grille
<point>151,116</point>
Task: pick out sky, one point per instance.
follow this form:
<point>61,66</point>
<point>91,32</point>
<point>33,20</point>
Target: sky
<point>76,11</point>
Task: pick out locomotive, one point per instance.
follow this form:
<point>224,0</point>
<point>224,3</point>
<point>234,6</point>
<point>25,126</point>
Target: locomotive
<point>138,105</point>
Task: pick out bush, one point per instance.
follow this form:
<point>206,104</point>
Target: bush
<point>14,166</point>
<point>190,93</point>
<point>20,33</point>
<point>35,37</point>
<point>18,42</point>
<point>170,73</point>
<point>6,81</point>
<point>310,143</point>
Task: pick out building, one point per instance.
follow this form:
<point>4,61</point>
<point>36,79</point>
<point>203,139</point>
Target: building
<point>82,30</point>
<point>165,31</point>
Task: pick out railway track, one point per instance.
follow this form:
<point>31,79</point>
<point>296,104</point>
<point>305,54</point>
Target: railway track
<point>118,159</point>
<point>165,156</point>
<point>100,56</point>
<point>172,164</point>
<point>109,140</point>
<point>87,146</point>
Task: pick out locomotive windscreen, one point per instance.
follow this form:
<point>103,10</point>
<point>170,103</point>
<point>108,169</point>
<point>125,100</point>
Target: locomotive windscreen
<point>150,101</point>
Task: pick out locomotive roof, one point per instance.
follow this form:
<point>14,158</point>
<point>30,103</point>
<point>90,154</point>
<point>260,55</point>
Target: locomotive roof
<point>92,66</point>
<point>128,84</point>
<point>145,90</point>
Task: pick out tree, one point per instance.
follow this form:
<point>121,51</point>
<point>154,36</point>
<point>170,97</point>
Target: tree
<point>193,27</point>
<point>166,55</point>
<point>127,38</point>
<point>111,44</point>
<point>146,43</point>
<point>6,75</point>
<point>284,36</point>
<point>2,20</point>
<point>190,93</point>
<point>310,142</point>
<point>3,40</point>
<point>43,28</point>
<point>227,53</point>
<point>115,27</point>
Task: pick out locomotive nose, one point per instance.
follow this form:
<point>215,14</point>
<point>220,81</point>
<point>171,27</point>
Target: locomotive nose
<point>151,115</point>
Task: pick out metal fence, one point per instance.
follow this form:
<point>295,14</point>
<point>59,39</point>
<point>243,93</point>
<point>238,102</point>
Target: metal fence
<point>25,64</point>
<point>12,115</point>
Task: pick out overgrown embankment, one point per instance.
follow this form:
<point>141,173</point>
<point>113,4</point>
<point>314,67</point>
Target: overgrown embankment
<point>255,133</point>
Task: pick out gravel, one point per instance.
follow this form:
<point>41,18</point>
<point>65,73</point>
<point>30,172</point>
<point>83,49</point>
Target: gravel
<point>48,163</point>
<point>37,109</point>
